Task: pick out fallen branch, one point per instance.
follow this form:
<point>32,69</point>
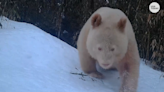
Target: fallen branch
<point>79,74</point>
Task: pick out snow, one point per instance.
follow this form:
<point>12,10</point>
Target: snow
<point>32,60</point>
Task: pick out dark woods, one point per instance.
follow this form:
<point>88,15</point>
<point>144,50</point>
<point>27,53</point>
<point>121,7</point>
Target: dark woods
<point>65,18</point>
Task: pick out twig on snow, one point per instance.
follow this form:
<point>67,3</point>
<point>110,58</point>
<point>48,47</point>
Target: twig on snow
<point>79,74</point>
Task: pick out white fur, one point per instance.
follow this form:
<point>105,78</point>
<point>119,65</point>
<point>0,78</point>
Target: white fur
<point>107,35</point>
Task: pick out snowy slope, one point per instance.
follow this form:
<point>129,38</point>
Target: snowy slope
<point>32,60</point>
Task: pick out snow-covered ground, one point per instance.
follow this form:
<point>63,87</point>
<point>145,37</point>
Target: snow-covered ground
<point>32,60</point>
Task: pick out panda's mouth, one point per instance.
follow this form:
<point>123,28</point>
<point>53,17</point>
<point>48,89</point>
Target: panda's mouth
<point>105,65</point>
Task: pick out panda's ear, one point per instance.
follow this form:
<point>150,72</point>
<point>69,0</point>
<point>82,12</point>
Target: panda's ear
<point>122,23</point>
<point>96,20</point>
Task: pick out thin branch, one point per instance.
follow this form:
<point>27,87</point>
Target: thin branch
<point>79,74</point>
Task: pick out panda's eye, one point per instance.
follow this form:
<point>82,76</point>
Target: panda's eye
<point>112,49</point>
<point>99,48</point>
